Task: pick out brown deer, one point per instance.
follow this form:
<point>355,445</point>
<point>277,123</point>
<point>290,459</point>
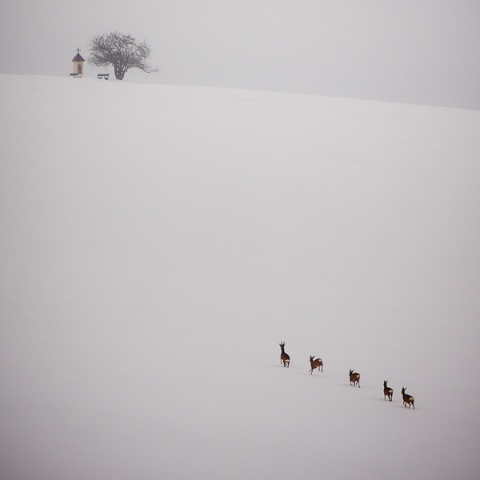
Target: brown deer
<point>387,391</point>
<point>316,363</point>
<point>284,357</point>
<point>354,378</point>
<point>408,399</point>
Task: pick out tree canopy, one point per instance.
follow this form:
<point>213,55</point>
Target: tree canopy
<point>122,51</point>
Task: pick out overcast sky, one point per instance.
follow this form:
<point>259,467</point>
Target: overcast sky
<point>413,51</point>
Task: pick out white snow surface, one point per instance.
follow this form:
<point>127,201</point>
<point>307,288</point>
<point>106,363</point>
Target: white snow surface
<point>157,243</point>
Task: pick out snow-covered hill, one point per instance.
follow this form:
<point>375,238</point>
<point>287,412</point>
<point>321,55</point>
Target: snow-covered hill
<point>158,242</point>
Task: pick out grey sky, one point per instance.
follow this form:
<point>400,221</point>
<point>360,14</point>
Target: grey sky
<point>414,51</point>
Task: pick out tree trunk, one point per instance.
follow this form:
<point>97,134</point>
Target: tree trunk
<point>119,72</point>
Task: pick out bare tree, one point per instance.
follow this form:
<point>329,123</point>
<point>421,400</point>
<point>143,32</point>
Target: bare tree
<point>120,50</point>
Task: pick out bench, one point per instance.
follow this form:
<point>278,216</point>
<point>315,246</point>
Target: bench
<point>103,75</point>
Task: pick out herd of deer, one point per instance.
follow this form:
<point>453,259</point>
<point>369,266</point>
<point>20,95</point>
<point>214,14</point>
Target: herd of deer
<point>354,377</point>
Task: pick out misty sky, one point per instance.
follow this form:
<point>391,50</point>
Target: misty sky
<point>413,51</point>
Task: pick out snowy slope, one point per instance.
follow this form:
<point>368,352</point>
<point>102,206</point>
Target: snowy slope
<point>158,242</point>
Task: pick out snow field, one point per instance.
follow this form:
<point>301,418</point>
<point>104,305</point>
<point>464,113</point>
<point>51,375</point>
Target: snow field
<point>157,244</point>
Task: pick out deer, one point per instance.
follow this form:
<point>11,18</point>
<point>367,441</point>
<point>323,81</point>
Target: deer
<point>387,391</point>
<point>408,399</point>
<point>316,363</point>
<point>284,357</point>
<point>354,378</point>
